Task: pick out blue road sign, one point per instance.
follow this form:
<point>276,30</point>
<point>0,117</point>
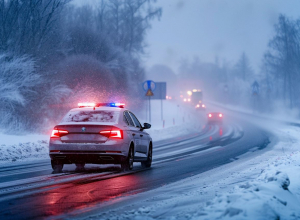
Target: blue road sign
<point>149,84</point>
<point>160,91</point>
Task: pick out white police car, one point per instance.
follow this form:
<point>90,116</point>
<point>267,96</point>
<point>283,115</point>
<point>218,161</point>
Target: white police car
<point>100,133</point>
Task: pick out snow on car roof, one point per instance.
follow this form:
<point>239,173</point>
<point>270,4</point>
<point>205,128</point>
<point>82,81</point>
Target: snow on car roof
<point>89,115</point>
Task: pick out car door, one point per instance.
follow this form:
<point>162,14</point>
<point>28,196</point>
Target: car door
<point>143,136</point>
<point>134,132</point>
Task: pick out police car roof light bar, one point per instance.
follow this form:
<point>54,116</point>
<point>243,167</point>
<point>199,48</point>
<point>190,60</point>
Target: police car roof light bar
<point>112,104</point>
<point>86,104</point>
<point>121,105</point>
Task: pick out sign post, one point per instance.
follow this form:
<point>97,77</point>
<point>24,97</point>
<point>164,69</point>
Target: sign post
<point>160,93</point>
<point>255,93</point>
<point>149,86</point>
<point>161,105</point>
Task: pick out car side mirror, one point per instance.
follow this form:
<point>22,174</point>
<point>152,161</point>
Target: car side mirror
<point>146,126</point>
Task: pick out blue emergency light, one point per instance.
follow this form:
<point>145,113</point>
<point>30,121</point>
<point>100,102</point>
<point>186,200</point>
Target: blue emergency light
<point>112,104</point>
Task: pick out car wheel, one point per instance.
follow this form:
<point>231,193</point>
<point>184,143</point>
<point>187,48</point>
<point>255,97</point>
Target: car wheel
<point>128,164</point>
<point>148,162</point>
<point>57,166</point>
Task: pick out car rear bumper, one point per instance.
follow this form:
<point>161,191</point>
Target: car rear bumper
<point>90,147</point>
<point>88,157</point>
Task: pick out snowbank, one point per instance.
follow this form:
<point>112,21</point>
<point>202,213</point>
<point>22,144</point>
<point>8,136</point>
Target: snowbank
<point>275,194</point>
<point>21,148</point>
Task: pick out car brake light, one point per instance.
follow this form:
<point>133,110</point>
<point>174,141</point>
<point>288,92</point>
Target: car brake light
<point>209,115</point>
<point>118,134</point>
<point>203,106</point>
<point>105,133</point>
<point>220,115</point>
<point>58,133</point>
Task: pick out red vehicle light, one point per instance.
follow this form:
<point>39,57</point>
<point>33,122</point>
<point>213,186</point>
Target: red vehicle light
<point>58,133</point>
<point>209,115</point>
<point>121,105</point>
<point>105,133</point>
<point>118,134</point>
<point>113,152</point>
<point>220,115</point>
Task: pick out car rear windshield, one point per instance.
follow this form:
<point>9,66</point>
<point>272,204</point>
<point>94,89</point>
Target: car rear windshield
<point>91,116</point>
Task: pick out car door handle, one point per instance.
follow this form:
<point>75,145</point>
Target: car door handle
<point>141,135</point>
<point>133,134</point>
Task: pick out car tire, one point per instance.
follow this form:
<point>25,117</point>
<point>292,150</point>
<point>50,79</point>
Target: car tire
<point>128,163</point>
<point>148,162</point>
<point>57,166</point>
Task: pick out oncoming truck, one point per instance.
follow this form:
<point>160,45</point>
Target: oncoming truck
<point>196,97</point>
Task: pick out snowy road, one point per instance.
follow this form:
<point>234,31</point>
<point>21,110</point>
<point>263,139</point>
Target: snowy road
<point>29,190</point>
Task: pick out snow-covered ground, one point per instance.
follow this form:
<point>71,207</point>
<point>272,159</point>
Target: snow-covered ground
<point>23,147</point>
<point>266,186</point>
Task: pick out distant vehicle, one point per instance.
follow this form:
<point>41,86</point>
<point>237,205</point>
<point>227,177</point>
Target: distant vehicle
<point>200,107</point>
<point>100,133</point>
<point>196,97</point>
<point>214,117</point>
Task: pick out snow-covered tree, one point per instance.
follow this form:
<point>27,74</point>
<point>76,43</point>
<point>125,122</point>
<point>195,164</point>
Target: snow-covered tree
<point>243,68</point>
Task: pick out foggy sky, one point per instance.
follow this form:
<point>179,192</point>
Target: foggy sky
<point>215,28</point>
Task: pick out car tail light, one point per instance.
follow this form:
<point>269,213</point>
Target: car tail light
<point>220,115</point>
<point>58,132</point>
<point>117,134</point>
<point>105,133</point>
<point>209,115</point>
